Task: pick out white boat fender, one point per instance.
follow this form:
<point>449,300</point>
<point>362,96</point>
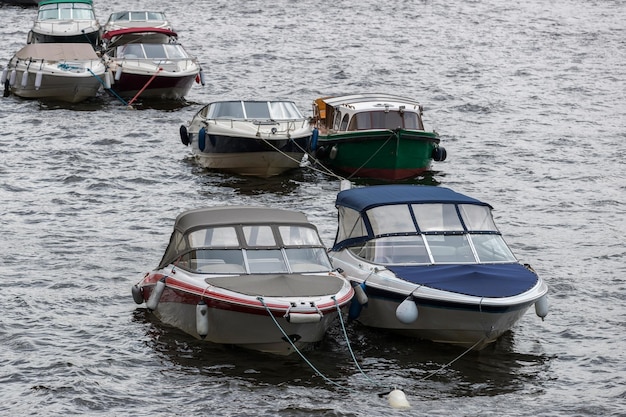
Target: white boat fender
<point>333,152</point>
<point>24,78</point>
<point>12,77</point>
<point>155,297</point>
<point>407,310</point>
<point>300,318</point>
<point>397,399</point>
<point>118,73</point>
<point>202,319</point>
<point>5,74</point>
<point>137,294</point>
<point>107,80</point>
<point>542,307</point>
<point>359,292</point>
<point>38,79</point>
<point>184,135</point>
<point>202,139</point>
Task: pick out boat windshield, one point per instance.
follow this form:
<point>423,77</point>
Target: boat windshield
<point>140,16</point>
<point>155,51</point>
<point>385,120</point>
<point>256,110</point>
<point>425,234</point>
<point>66,11</point>
<point>252,249</point>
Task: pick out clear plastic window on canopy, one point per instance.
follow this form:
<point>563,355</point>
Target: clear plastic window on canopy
<point>214,237</point>
<point>350,225</point>
<point>437,217</point>
<point>477,217</point>
<point>260,236</point>
<point>299,236</point>
<point>391,219</point>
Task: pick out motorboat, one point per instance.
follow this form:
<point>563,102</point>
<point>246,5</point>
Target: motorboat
<point>71,21</point>
<point>249,137</point>
<point>253,277</point>
<point>137,19</point>
<point>150,63</point>
<point>377,136</point>
<point>70,72</point>
<point>428,262</point>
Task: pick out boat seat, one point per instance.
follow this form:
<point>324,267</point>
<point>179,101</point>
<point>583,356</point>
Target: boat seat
<point>443,253</point>
<point>222,268</point>
<point>307,267</point>
<point>266,265</point>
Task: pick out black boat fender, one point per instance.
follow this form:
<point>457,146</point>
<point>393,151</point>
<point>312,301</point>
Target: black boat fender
<point>184,135</point>
<point>439,154</point>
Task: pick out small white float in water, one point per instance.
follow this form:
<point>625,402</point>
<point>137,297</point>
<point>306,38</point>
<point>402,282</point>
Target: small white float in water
<point>397,399</point>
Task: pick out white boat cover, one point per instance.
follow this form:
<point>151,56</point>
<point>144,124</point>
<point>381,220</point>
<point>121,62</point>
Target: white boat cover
<point>58,52</point>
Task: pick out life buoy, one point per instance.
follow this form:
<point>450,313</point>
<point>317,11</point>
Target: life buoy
<point>184,135</point>
<point>202,139</point>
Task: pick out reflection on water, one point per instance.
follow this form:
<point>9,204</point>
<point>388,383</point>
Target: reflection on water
<point>422,368</point>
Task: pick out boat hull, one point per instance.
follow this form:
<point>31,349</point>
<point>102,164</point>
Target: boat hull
<point>381,154</point>
<point>242,320</point>
<point>251,331</point>
<point>463,324</point>
<point>244,148</point>
<point>164,85</point>
<point>250,156</point>
<point>56,85</point>
<point>442,316</point>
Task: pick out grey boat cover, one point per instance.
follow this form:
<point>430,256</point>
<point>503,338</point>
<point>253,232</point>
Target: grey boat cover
<point>215,216</point>
<point>279,285</point>
<point>58,52</point>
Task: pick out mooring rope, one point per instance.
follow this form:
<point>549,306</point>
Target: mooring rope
<point>108,89</point>
<point>345,334</point>
<point>372,156</point>
<point>317,371</point>
<point>435,372</point>
<point>326,170</point>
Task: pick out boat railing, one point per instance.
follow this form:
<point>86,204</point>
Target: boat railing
<point>290,125</point>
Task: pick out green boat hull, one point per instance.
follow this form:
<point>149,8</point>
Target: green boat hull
<point>382,154</point>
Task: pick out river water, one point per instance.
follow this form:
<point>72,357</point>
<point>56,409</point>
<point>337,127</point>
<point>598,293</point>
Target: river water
<point>529,99</point>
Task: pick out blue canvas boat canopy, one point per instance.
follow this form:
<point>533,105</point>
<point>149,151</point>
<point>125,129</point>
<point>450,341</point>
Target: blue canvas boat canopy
<point>491,281</point>
<point>365,198</point>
